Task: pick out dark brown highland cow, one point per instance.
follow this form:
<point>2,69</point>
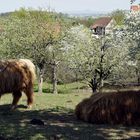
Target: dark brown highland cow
<point>17,76</point>
<point>111,108</point>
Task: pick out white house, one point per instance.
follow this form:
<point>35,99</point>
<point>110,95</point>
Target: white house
<point>103,25</point>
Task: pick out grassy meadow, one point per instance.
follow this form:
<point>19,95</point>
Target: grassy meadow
<point>57,113</point>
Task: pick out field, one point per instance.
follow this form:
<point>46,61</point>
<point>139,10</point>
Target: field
<point>57,113</point>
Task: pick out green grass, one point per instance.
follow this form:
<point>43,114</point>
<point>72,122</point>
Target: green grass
<point>52,109</point>
<point>57,113</point>
<point>62,89</point>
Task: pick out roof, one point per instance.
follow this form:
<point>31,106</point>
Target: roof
<point>135,8</point>
<point>101,22</point>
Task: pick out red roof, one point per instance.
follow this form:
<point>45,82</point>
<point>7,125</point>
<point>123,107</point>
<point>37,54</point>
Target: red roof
<point>101,22</point>
<point>135,8</point>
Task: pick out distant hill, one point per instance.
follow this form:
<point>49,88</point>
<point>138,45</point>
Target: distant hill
<point>84,14</point>
<point>5,14</point>
<point>87,13</point>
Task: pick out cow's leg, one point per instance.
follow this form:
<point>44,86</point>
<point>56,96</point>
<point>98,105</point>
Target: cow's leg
<point>16,97</point>
<point>29,94</point>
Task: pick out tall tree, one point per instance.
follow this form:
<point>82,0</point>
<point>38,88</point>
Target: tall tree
<point>94,58</point>
<point>132,34</point>
<point>30,34</point>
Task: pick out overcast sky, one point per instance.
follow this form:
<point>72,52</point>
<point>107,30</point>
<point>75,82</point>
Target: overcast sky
<point>66,5</point>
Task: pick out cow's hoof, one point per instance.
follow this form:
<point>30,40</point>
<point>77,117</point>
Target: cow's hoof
<point>13,107</point>
<point>29,106</point>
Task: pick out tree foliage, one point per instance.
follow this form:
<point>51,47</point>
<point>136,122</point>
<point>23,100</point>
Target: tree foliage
<point>132,35</point>
<point>96,59</point>
<point>33,34</point>
<point>119,16</point>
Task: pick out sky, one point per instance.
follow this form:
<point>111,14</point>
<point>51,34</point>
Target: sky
<point>66,5</point>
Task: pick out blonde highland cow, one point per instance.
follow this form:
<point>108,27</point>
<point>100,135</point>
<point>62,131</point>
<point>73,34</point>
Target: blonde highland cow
<point>17,76</point>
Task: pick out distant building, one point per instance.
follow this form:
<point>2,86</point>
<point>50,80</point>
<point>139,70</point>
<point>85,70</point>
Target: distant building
<point>103,26</point>
<point>135,8</point>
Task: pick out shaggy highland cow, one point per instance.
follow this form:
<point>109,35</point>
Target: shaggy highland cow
<point>17,76</point>
<point>111,108</point>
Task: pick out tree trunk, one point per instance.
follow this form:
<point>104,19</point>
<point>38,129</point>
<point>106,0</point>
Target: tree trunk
<point>101,81</point>
<point>93,84</point>
<point>54,79</point>
<point>40,82</point>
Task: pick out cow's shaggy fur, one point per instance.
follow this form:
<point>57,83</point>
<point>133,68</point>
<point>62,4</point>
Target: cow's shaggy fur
<point>17,76</point>
<point>111,108</point>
